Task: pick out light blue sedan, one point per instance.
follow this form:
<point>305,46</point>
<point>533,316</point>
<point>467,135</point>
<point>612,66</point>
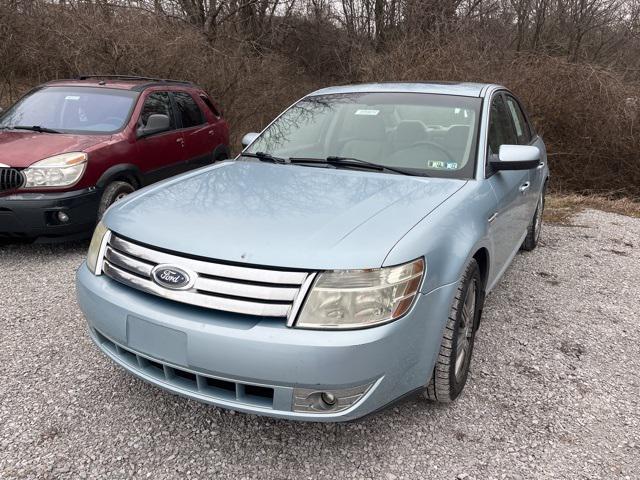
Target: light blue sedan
<point>339,263</point>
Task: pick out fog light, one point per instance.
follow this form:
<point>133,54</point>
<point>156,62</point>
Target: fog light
<point>327,401</point>
<point>328,398</point>
<point>63,217</point>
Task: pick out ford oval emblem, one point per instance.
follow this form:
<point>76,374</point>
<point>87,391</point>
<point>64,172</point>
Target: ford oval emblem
<point>172,277</point>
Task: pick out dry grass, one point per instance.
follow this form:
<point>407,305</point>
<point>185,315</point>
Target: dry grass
<point>587,115</point>
<point>560,208</point>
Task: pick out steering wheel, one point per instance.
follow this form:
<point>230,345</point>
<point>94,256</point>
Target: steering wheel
<point>430,144</point>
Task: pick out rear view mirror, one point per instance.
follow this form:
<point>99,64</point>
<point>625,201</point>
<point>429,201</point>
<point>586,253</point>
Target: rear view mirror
<point>516,157</point>
<point>156,123</point>
<point>249,138</point>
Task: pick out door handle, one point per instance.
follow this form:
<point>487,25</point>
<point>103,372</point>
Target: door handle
<point>524,187</point>
<point>211,132</point>
<point>540,165</point>
<point>492,217</point>
<point>180,141</point>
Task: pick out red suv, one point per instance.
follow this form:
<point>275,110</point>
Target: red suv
<point>70,148</point>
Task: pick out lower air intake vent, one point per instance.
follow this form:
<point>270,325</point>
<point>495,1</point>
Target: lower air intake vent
<point>10,179</point>
<point>193,382</point>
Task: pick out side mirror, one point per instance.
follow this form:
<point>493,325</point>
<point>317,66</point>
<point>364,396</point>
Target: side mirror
<point>156,123</point>
<point>516,157</point>
<point>249,138</point>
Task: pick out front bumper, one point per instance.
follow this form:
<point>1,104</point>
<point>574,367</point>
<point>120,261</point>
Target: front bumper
<point>159,340</point>
<point>34,215</point>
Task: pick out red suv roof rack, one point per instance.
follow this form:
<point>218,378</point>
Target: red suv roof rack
<point>134,77</point>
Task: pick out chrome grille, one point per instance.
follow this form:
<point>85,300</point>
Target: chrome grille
<point>218,286</point>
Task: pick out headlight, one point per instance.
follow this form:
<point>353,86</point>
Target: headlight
<point>344,299</point>
<point>57,171</point>
<point>95,248</point>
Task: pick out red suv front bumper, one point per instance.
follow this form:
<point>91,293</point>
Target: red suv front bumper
<point>37,215</point>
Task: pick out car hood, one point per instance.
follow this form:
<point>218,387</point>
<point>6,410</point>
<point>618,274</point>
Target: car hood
<point>281,215</point>
<point>22,148</point>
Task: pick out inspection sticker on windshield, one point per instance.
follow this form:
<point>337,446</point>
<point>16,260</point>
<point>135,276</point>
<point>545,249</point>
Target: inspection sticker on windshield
<point>443,165</point>
<point>367,112</point>
<point>72,97</point>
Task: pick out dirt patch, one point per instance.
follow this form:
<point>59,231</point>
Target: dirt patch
<point>559,209</point>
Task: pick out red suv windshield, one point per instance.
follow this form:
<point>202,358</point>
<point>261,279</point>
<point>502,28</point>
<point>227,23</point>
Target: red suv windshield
<point>73,110</point>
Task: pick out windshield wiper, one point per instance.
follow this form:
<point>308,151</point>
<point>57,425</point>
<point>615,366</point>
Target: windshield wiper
<point>352,162</point>
<point>34,128</point>
<point>264,157</point>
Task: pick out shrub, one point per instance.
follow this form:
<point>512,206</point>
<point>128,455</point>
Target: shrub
<point>586,114</point>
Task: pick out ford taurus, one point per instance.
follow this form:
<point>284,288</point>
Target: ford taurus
<point>339,263</point>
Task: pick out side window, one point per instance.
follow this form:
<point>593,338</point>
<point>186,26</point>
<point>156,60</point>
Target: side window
<point>188,110</point>
<point>156,103</point>
<point>501,130</point>
<point>211,106</point>
<point>523,132</point>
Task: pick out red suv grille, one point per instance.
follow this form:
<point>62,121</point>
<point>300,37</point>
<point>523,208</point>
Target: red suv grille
<point>10,179</point>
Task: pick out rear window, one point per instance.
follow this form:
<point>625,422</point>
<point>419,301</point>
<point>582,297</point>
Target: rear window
<point>211,106</point>
<point>188,110</point>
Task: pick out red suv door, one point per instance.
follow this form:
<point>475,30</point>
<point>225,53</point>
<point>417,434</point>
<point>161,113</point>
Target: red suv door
<point>198,128</point>
<point>162,154</point>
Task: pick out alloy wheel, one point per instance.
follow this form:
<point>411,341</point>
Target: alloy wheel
<point>465,329</point>
<point>538,221</point>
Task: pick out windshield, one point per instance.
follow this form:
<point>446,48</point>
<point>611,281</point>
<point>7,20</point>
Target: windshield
<point>72,109</point>
<point>428,134</point>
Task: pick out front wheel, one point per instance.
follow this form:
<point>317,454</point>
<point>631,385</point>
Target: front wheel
<point>220,153</point>
<point>452,366</point>
<point>112,193</point>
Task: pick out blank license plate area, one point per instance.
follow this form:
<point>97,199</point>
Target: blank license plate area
<point>157,341</point>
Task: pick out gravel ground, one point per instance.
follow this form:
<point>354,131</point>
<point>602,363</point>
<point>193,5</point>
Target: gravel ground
<point>554,390</point>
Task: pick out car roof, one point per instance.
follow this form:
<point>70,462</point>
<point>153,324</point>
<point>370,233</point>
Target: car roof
<point>119,82</point>
<point>466,89</point>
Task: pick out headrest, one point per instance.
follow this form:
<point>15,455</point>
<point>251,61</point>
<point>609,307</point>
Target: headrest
<point>457,135</point>
<point>368,127</point>
<point>410,131</point>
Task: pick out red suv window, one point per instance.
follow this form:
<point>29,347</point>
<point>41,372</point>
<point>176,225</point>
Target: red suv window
<point>211,106</point>
<point>156,103</point>
<point>188,110</point>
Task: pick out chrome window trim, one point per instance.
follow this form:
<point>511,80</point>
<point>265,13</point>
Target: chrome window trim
<point>483,138</point>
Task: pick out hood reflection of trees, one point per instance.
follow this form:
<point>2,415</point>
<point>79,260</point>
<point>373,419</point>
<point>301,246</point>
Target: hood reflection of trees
<point>254,190</point>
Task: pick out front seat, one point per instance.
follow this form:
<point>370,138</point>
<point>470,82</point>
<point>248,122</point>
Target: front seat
<point>369,138</point>
<point>408,151</point>
<point>408,133</point>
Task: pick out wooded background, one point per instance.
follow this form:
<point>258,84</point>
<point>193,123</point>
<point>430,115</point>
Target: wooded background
<point>575,63</point>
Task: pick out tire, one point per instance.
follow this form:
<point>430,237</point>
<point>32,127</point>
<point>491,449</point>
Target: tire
<point>452,366</point>
<point>535,227</point>
<point>112,193</point>
<point>220,154</point>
